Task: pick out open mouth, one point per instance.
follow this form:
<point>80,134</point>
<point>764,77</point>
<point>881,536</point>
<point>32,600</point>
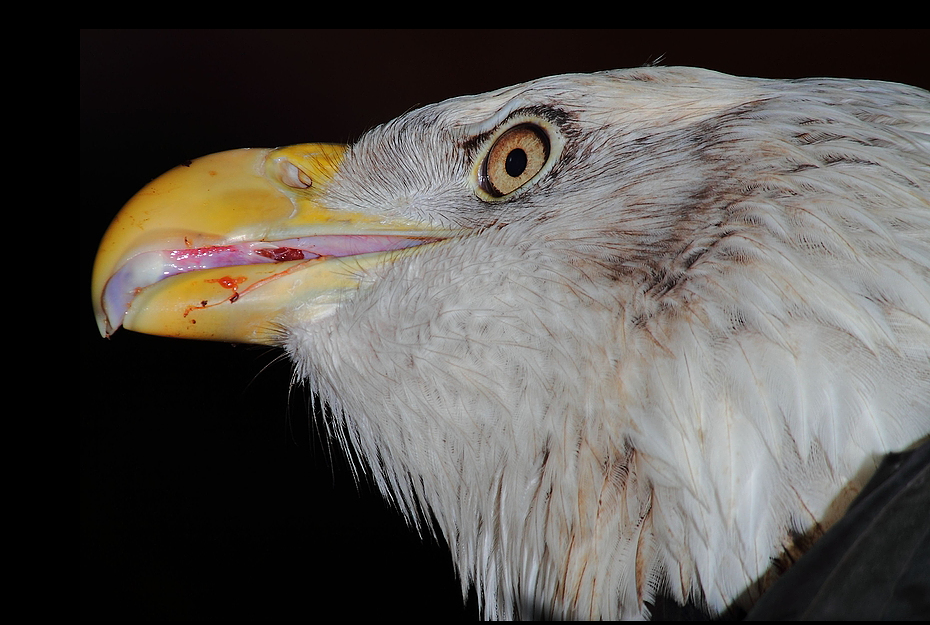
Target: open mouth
<point>148,268</point>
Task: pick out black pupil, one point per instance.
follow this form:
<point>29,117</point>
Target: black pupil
<point>516,162</point>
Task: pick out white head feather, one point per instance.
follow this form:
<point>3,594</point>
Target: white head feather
<point>685,343</point>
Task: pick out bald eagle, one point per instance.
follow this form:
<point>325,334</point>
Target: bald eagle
<point>612,335</point>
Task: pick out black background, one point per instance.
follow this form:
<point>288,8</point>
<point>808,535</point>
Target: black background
<point>204,490</point>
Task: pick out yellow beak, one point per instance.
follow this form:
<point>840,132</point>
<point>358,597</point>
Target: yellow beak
<point>236,245</point>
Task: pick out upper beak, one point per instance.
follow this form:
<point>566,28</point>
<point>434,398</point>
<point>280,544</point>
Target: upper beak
<point>234,245</point>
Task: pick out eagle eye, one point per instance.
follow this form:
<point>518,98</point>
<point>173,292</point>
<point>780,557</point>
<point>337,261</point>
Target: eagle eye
<point>516,156</point>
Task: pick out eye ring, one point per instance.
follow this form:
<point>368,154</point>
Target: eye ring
<point>516,156</point>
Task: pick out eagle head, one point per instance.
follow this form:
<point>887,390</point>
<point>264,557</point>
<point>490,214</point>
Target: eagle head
<point>610,334</point>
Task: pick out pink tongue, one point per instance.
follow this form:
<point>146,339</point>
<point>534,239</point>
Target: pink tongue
<point>303,248</point>
<point>149,267</point>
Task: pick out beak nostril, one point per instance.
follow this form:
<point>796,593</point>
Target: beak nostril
<point>294,177</point>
